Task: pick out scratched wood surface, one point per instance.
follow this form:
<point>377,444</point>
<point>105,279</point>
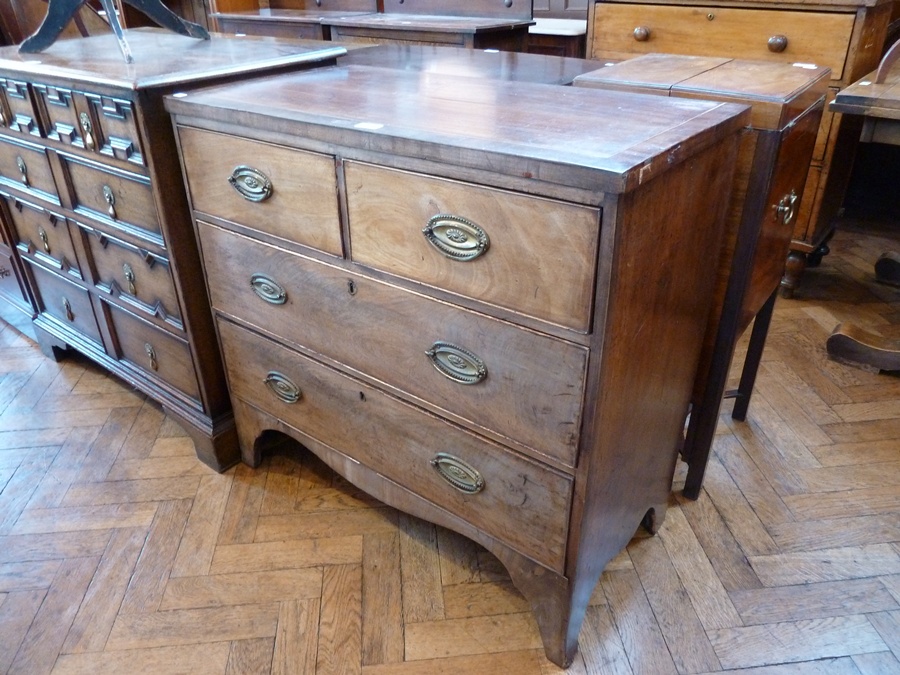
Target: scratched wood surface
<point>121,553</point>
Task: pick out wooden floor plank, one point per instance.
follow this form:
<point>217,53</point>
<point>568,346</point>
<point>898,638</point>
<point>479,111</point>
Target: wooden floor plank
<point>206,659</point>
<point>339,649</point>
<point>198,543</point>
<point>851,562</point>
<point>296,641</point>
<point>277,555</point>
<point>382,599</point>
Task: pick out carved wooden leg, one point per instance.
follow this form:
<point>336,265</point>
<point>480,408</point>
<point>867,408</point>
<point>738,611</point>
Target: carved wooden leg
<point>216,445</point>
<point>794,267</point>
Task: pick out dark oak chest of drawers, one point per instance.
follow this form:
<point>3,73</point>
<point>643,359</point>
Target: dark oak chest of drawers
<point>93,203</point>
<point>488,327</point>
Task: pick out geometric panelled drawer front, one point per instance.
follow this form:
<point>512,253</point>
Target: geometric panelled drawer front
<point>24,165</point>
<point>42,235</point>
<point>16,109</point>
<point>67,303</point>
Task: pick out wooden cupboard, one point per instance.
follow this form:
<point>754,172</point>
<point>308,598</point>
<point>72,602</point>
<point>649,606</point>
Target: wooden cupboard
<point>479,325</point>
<point>846,37</point>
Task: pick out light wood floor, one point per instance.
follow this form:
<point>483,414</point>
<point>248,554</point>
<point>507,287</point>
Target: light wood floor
<point>121,553</point>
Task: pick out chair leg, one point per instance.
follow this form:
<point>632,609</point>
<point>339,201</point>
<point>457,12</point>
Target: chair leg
<point>754,356</point>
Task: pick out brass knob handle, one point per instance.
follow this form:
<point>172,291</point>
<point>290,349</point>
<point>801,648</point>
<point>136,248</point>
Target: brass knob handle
<point>252,184</point>
<point>67,309</point>
<point>23,169</point>
<point>268,289</point>
<point>128,271</point>
<point>641,33</point>
<point>87,130</point>
<point>151,356</point>
<point>110,198</point>
<point>458,473</point>
<point>282,387</point>
<point>778,43</point>
<point>42,235</point>
<point>456,237</point>
<point>456,363</point>
<point>785,207</point>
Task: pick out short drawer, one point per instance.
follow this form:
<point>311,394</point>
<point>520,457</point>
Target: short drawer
<point>119,197</point>
<point>495,489</point>
<point>623,30</point>
<point>156,353</point>
<point>41,234</point>
<point>272,27</point>
<point>25,166</point>
<point>133,274</point>
<point>514,382</point>
<point>528,254</point>
<point>68,303</point>
<point>286,193</point>
<point>17,111</point>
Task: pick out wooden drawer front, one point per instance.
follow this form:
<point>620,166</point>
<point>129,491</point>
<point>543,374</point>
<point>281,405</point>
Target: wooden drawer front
<point>133,274</point>
<point>118,197</point>
<point>272,27</point>
<point>42,234</point>
<point>396,37</point>
<point>66,302</point>
<point>154,352</point>
<point>10,288</point>
<point>303,205</point>
<point>400,441</point>
<point>115,128</point>
<point>533,386</point>
<point>540,256</point>
<point>16,107</point>
<point>25,166</point>
<point>812,37</point>
<point>61,114</point>
<point>783,206</point>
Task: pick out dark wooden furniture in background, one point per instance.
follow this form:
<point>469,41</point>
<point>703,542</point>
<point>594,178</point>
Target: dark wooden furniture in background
<point>844,35</point>
<point>558,37</point>
<point>93,204</point>
<point>20,18</point>
<point>489,328</point>
<point>875,100</point>
<point>480,24</point>
<point>773,163</point>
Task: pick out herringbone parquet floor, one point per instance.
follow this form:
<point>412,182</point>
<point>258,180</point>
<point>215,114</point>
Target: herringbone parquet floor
<point>121,553</point>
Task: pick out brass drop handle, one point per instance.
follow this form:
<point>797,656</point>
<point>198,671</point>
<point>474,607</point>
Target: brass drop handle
<point>268,289</point>
<point>778,43</point>
<point>151,356</point>
<point>458,473</point>
<point>110,198</point>
<point>4,272</point>
<point>641,33</point>
<point>128,271</point>
<point>456,237</point>
<point>2,117</point>
<point>785,207</point>
<point>87,130</point>
<point>251,184</point>
<point>456,363</point>
<point>282,386</point>
<point>23,169</point>
<point>42,235</point>
<point>67,308</point>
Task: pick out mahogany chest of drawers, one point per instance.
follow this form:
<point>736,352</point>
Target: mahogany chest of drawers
<point>846,36</point>
<point>489,328</point>
<point>773,161</point>
<point>93,204</point>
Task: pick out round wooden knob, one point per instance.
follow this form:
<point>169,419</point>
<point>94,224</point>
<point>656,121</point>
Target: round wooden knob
<point>778,43</point>
<point>642,33</point>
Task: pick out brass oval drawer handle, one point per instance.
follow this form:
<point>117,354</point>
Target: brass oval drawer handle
<point>456,363</point>
<point>87,130</point>
<point>785,207</point>
<point>251,184</point>
<point>42,235</point>
<point>282,387</point>
<point>778,43</point>
<point>151,356</point>
<point>110,198</point>
<point>456,237</point>
<point>641,33</point>
<point>67,309</point>
<point>128,271</point>
<point>23,169</point>
<point>268,289</point>
<point>458,473</point>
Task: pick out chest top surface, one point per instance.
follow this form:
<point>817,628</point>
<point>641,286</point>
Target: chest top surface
<point>162,58</point>
<point>611,141</point>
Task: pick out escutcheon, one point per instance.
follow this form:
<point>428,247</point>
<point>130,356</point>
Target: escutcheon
<point>456,363</point>
<point>458,473</point>
<point>456,237</point>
